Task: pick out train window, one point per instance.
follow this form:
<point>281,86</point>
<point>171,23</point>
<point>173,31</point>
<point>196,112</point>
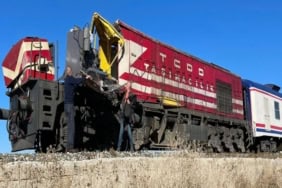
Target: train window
<point>277,110</point>
<point>224,97</point>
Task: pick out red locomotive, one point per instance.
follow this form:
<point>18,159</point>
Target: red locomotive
<point>180,99</point>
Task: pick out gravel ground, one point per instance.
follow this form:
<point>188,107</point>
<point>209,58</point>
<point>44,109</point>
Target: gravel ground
<point>79,156</point>
<point>50,157</point>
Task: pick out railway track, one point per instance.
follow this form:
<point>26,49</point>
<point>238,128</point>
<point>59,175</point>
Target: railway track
<point>51,157</point>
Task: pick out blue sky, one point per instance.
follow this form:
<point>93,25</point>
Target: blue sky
<point>242,36</point>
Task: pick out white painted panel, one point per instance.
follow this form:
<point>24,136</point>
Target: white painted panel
<point>266,112</point>
<point>263,114</point>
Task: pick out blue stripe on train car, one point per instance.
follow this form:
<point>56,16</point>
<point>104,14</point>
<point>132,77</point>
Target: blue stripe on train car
<point>269,131</point>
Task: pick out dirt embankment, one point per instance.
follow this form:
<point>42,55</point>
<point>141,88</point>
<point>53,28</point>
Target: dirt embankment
<point>141,171</point>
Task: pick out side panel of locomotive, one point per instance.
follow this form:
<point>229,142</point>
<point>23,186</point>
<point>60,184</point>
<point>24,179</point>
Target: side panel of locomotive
<point>160,73</point>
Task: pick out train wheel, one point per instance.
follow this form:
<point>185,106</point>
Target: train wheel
<point>214,140</point>
<point>273,146</point>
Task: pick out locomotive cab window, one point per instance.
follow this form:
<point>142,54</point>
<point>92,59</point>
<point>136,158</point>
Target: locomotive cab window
<point>277,110</point>
<point>224,97</point>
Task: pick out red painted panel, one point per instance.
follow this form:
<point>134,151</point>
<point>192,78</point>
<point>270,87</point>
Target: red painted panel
<point>33,57</point>
<point>13,60</point>
<point>162,61</point>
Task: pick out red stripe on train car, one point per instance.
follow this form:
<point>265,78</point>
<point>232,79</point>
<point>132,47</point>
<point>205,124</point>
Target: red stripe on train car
<point>260,125</point>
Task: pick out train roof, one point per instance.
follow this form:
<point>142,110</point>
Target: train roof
<point>268,87</point>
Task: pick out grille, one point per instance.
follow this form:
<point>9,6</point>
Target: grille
<point>224,97</point>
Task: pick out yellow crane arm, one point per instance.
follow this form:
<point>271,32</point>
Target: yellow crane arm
<point>109,37</point>
<point>105,29</point>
